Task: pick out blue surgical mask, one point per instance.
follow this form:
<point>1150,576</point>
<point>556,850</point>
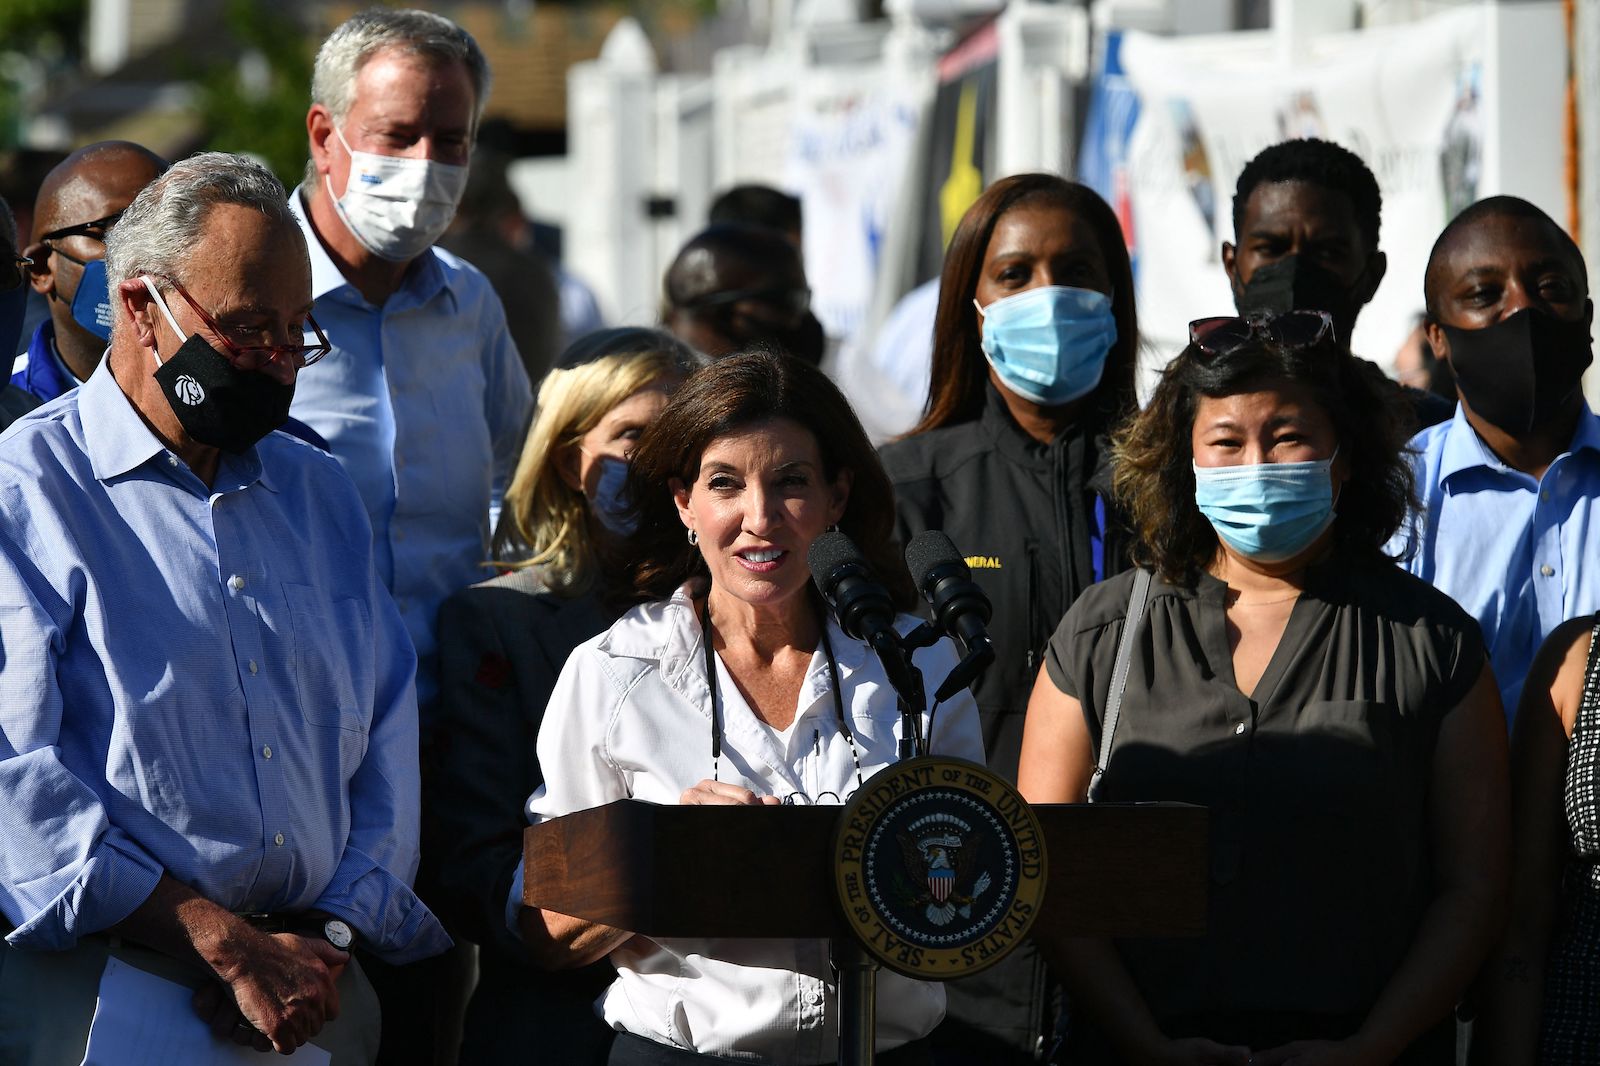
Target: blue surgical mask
<point>91,304</point>
<point>1267,511</point>
<point>610,502</point>
<point>1049,344</point>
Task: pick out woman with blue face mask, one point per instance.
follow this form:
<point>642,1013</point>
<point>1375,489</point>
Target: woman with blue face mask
<point>1337,716</point>
<point>502,644</point>
<point>1034,344</point>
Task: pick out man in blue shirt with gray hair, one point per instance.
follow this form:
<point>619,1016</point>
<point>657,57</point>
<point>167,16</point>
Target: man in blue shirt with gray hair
<point>208,725</point>
<point>424,401</point>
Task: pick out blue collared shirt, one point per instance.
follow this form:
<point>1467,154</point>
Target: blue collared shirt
<point>424,401</point>
<point>1517,552</point>
<point>42,371</point>
<point>207,682</point>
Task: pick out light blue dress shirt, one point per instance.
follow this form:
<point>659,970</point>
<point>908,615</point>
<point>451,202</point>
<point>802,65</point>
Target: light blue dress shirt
<point>1518,553</point>
<point>424,401</point>
<point>206,682</point>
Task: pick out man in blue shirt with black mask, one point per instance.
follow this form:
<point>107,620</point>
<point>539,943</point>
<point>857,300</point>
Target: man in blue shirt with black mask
<point>1510,487</point>
<point>79,202</point>
<point>208,723</point>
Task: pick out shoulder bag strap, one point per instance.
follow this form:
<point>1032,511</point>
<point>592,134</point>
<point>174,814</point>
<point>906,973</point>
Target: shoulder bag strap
<point>1137,600</point>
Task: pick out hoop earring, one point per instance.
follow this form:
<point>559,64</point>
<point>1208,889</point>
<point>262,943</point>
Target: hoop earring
<point>694,538</point>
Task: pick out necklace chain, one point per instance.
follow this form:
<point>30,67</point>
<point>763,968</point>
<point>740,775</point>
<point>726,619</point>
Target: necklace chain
<point>1240,602</point>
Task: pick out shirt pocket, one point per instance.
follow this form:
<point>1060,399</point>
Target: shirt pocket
<point>333,644</point>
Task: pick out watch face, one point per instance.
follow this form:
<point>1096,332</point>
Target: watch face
<point>338,934</point>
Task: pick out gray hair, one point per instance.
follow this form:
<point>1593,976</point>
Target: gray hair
<point>161,227</point>
<point>418,33</point>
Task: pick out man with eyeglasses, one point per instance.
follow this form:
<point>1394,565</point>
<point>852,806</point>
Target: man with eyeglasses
<point>78,203</point>
<point>732,287</point>
<point>14,402</point>
<point>208,725</point>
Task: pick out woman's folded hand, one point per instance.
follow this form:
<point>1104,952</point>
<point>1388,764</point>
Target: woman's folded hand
<point>723,794</point>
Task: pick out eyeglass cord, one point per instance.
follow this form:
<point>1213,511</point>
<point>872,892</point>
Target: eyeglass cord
<point>716,694</point>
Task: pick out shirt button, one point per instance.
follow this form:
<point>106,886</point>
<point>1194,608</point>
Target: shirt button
<point>1544,494</point>
<point>1238,729</point>
<point>404,605</point>
<point>236,582</point>
<point>278,840</point>
<point>266,751</point>
<point>814,998</point>
<point>253,667</point>
<point>399,534</point>
<point>1547,570</point>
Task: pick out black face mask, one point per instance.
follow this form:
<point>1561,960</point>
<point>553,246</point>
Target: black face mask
<point>216,402</point>
<point>1294,284</point>
<point>1522,370</point>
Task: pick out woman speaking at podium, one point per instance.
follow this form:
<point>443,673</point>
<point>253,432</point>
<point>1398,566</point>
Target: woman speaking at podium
<point>729,684</point>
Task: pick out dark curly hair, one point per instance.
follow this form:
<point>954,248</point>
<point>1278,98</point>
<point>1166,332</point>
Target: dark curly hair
<point>729,396</point>
<point>1321,163</point>
<point>960,373</point>
<point>1153,453</point>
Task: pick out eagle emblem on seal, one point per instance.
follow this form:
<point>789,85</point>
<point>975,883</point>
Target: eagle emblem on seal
<point>940,856</point>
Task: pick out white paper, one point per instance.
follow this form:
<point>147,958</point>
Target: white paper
<point>145,1020</point>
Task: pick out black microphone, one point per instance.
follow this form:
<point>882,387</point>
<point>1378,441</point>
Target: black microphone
<point>959,606</point>
<point>865,611</point>
<point>862,605</point>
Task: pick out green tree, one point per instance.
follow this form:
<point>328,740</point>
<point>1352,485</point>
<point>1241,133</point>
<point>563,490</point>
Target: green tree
<point>255,99</point>
<point>41,30</point>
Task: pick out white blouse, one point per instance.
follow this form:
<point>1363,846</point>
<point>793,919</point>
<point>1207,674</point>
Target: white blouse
<point>630,717</point>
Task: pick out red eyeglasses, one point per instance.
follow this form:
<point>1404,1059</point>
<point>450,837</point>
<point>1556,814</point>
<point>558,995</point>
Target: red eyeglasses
<point>276,358</point>
<point>1292,329</point>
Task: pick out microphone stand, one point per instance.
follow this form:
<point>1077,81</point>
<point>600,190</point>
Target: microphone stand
<point>968,670</point>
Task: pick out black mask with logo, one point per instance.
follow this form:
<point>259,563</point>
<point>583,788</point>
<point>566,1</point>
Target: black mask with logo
<point>1295,284</point>
<point>1521,371</point>
<point>217,403</point>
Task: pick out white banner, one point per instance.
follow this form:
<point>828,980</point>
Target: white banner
<point>1406,98</point>
<point>849,145</point>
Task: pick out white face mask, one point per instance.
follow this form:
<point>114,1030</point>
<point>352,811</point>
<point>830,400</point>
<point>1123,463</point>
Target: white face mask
<point>397,207</point>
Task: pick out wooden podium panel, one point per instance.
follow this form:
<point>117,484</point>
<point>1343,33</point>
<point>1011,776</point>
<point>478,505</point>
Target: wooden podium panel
<point>671,871</point>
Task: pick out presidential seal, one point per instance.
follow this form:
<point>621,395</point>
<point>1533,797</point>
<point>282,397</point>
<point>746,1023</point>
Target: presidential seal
<point>940,867</point>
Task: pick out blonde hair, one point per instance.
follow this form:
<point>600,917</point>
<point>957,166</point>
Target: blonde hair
<point>544,522</point>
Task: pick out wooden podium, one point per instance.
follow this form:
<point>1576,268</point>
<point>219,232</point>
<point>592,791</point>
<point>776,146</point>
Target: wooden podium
<point>1119,870</point>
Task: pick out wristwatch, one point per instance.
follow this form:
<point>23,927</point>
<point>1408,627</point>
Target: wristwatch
<point>338,933</point>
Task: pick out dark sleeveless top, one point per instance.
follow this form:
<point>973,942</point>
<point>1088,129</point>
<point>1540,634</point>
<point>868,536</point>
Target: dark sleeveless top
<point>1317,786</point>
<point>1569,1031</point>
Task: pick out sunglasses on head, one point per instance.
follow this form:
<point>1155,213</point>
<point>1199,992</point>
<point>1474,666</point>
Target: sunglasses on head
<point>1292,329</point>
